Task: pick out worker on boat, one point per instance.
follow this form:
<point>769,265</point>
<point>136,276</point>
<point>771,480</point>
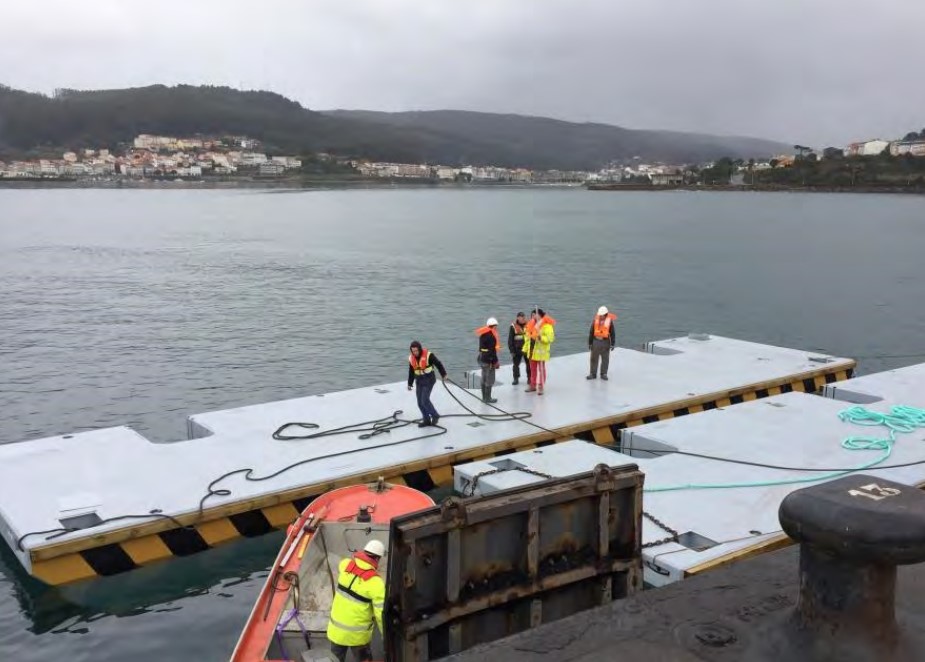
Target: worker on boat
<point>489,346</point>
<point>515,345</point>
<point>601,341</point>
<point>421,371</point>
<point>358,602</point>
<point>540,335</point>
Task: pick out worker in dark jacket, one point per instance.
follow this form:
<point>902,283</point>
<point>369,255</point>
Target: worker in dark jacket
<point>515,345</point>
<point>421,370</point>
<point>601,341</point>
<point>489,346</point>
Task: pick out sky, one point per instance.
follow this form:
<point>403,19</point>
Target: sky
<point>814,72</point>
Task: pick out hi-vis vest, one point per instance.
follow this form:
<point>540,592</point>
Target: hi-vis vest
<point>518,331</point>
<point>494,331</point>
<point>602,328</point>
<point>420,364</point>
<point>358,602</point>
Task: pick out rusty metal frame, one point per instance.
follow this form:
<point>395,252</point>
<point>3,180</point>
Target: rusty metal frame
<point>452,565</point>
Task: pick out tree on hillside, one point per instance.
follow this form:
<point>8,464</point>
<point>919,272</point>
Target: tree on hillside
<point>719,173</point>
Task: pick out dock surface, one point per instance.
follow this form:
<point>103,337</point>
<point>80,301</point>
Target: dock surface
<point>717,617</point>
<point>136,501</point>
<point>728,511</point>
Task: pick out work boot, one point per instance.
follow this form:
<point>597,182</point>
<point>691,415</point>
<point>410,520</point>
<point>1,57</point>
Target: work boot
<point>595,377</point>
<point>425,423</point>
<point>604,377</point>
<point>515,382</point>
<point>488,397</point>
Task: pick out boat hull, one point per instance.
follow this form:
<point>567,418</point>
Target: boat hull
<point>352,514</point>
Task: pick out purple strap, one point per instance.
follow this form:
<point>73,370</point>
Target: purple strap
<point>293,613</point>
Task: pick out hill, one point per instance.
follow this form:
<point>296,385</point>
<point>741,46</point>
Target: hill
<point>32,124</point>
<point>549,143</point>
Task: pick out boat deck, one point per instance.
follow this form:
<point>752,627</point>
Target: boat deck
<point>722,524</point>
<point>128,496</point>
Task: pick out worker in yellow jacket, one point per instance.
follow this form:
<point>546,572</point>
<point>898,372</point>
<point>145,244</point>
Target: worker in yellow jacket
<point>539,336</point>
<point>358,601</point>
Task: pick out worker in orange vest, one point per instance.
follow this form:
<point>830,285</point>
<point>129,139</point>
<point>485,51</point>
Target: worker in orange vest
<point>421,371</point>
<point>489,346</point>
<point>601,341</point>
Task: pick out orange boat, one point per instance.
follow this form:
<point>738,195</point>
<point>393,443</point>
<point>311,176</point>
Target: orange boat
<point>290,619</point>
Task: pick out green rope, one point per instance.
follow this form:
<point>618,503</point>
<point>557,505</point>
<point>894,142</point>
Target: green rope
<point>900,419</point>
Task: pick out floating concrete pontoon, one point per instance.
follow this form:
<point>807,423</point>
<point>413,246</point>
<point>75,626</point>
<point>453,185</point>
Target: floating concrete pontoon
<point>722,524</point>
<point>126,501</point>
<point>895,386</point>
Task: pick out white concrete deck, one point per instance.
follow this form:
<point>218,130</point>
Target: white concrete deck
<point>563,459</point>
<point>116,471</point>
<point>896,386</point>
<point>793,429</point>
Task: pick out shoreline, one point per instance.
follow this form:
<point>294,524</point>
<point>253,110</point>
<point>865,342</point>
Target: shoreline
<point>290,183</point>
<point>752,188</point>
<point>309,183</point>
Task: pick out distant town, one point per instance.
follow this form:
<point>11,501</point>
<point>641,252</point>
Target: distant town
<point>230,158</point>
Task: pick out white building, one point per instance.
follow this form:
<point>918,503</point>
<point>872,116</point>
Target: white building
<point>522,175</point>
<point>75,170</point>
<point>867,148</point>
<point>48,169</point>
<point>666,176</point>
<point>146,141</point>
<point>289,162</point>
<point>445,173</point>
<point>189,143</point>
<point>189,171</point>
<point>913,147</point>
<point>252,159</point>
<point>271,168</point>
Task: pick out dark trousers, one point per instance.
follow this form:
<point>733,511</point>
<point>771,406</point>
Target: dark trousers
<point>361,653</point>
<point>488,374</point>
<point>600,351</point>
<point>516,358</point>
<point>425,384</point>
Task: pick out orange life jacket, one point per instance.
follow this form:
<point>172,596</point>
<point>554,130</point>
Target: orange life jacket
<point>363,573</point>
<point>533,330</point>
<point>602,328</point>
<point>494,330</point>
<point>419,365</point>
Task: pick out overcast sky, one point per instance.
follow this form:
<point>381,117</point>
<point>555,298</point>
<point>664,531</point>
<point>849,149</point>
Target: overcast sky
<point>812,71</point>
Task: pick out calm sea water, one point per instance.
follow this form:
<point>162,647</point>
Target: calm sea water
<point>141,307</point>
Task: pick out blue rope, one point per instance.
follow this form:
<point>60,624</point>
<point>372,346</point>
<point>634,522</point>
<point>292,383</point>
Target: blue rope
<point>901,419</point>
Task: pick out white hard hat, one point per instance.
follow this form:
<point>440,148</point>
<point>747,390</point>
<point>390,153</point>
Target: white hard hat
<point>602,310</point>
<point>491,322</point>
<point>375,548</point>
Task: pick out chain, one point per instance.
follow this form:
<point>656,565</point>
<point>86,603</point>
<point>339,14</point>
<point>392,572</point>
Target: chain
<point>659,523</point>
<point>469,490</point>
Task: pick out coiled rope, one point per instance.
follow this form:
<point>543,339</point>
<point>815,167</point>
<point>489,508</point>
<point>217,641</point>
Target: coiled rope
<point>900,419</point>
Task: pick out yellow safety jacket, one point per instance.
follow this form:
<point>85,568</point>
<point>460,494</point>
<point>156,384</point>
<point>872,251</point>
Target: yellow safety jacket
<point>538,342</point>
<point>358,600</point>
